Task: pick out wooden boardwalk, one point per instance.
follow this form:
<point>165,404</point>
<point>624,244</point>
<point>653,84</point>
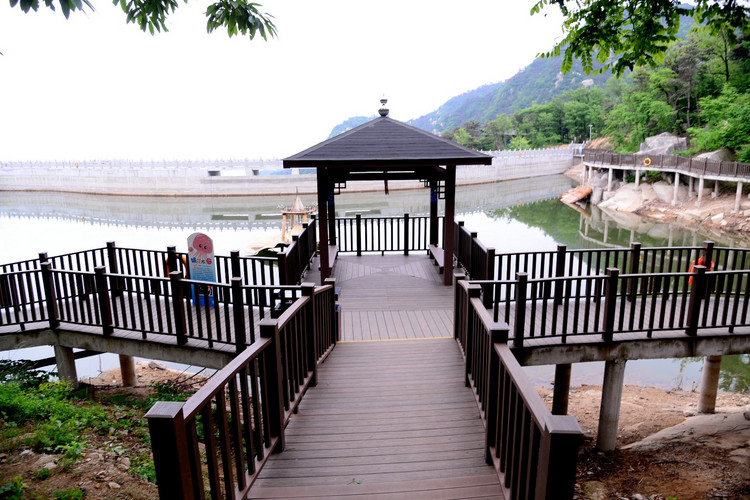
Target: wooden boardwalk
<point>392,297</point>
<point>387,419</point>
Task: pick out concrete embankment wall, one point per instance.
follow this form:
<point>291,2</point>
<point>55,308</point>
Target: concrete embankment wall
<point>205,179</point>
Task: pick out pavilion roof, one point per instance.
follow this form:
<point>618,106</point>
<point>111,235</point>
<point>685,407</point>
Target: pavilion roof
<point>387,144</point>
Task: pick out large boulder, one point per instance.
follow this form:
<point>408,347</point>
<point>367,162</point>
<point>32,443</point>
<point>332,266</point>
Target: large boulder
<point>718,155</point>
<point>662,144</point>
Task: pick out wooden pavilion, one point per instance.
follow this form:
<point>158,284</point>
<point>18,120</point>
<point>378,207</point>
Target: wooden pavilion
<point>386,149</point>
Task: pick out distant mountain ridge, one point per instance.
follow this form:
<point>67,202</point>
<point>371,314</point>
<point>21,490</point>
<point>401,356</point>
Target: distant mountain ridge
<point>539,82</point>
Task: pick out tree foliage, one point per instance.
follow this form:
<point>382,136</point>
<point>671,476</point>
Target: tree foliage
<point>623,34</point>
<point>239,17</point>
<point>701,89</point>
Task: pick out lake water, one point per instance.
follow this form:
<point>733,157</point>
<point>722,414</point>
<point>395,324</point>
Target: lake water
<point>509,216</point>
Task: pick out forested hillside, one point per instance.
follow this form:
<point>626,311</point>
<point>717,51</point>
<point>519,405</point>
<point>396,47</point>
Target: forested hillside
<point>699,90</point>
<point>539,82</point>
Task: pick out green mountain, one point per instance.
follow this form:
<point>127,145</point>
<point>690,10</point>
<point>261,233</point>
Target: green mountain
<point>539,82</point>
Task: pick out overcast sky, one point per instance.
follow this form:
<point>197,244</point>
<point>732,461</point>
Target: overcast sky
<point>93,87</point>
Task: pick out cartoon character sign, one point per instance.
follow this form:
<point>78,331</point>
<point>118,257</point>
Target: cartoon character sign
<point>201,262</point>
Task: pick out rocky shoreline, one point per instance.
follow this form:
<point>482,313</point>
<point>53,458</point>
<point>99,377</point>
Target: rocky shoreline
<point>714,216</point>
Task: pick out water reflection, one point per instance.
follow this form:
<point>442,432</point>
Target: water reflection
<point>509,216</point>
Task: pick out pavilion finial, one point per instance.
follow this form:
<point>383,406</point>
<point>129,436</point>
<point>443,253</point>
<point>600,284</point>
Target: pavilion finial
<point>383,111</point>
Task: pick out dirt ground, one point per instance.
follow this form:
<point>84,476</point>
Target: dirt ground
<point>695,464</point>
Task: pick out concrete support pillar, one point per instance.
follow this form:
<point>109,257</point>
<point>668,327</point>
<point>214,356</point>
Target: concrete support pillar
<point>691,183</point>
<point>709,384</point>
<point>700,192</point>
<point>561,390</point>
<point>676,187</point>
<point>609,180</point>
<point>606,230</point>
<point>66,364</point>
<point>609,413</point>
<point>737,198</point>
<point>127,370</point>
<point>637,178</point>
<point>716,190</point>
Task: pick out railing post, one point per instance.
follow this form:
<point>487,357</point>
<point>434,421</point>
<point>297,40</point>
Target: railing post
<point>358,233</point>
<point>697,292</point>
<point>166,426</point>
<point>178,306</point>
<point>457,309</point>
<point>519,324</point>
<point>53,315</point>
<point>105,306</point>
<point>560,272</point>
<point>498,334</point>
<point>238,309</point>
<point>272,361</point>
<point>708,257</point>
<point>635,259</point>
<point>234,258</point>
<point>610,301</point>
<point>171,260</point>
<point>335,314</point>
<point>281,261</point>
<point>558,457</point>
<point>113,268</point>
<point>406,234</point>
<point>473,293</point>
<point>312,337</point>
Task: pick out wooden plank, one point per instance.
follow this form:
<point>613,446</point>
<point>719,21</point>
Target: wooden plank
<point>384,412</point>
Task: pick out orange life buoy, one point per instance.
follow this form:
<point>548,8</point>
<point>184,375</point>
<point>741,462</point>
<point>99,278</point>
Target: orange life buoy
<point>647,162</point>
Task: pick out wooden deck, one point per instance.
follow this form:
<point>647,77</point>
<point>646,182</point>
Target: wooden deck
<point>387,419</point>
<point>385,297</point>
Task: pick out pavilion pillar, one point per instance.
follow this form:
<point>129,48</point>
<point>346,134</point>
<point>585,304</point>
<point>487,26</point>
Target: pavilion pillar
<point>331,215</point>
<point>434,227</point>
<point>450,226</point>
<point>325,272</point>
<point>676,187</point>
<point>609,180</point>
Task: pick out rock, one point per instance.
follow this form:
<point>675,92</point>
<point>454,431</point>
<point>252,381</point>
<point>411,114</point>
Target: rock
<point>718,155</point>
<point>638,496</point>
<point>746,415</point>
<point>26,453</point>
<point>44,460</point>
<point>594,490</point>
<point>113,485</point>
<point>717,218</point>
<point>663,191</point>
<point>123,463</point>
<point>157,366</point>
<point>664,143</point>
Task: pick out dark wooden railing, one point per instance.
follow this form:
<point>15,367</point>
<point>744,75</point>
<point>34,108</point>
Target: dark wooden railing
<point>384,234</point>
<point>684,164</point>
<point>472,255</point>
<point>619,303</point>
<point>534,452</point>
<point>166,306</point>
<point>240,414</point>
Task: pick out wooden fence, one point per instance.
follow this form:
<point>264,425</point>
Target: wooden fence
<point>239,416</point>
<point>385,234</point>
<point>696,167</point>
<point>534,452</point>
